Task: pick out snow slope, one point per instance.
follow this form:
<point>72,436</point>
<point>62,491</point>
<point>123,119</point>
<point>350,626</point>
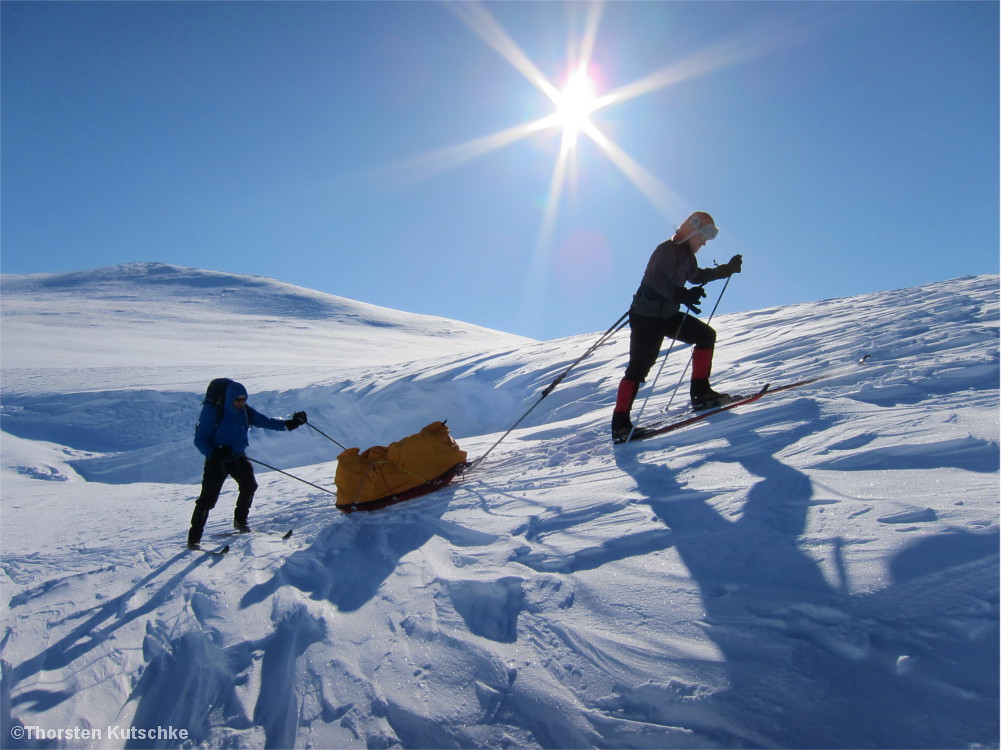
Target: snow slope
<point>170,327</point>
<point>817,570</point>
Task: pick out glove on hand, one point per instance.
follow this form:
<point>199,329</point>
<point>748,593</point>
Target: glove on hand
<point>298,418</point>
<point>734,265</point>
<point>222,453</point>
<point>690,298</point>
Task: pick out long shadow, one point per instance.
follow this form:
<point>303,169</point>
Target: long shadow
<point>556,518</point>
<point>350,559</point>
<point>94,631</point>
<point>806,668</point>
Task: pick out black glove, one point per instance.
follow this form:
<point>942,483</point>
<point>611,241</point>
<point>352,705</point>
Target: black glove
<point>222,453</point>
<point>690,298</point>
<point>297,419</point>
<point>734,265</point>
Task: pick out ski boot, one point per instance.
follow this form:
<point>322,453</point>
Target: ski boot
<point>622,426</point>
<point>704,397</point>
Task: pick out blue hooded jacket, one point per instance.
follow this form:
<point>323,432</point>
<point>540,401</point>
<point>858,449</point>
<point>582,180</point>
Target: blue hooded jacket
<point>233,427</point>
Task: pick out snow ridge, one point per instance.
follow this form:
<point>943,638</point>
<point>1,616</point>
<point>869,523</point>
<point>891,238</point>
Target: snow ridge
<point>818,570</point>
<point>175,321</point>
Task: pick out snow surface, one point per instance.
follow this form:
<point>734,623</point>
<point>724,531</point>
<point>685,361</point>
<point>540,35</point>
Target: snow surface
<point>819,569</point>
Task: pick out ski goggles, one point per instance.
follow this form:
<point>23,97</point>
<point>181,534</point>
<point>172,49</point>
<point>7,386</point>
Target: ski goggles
<point>709,231</point>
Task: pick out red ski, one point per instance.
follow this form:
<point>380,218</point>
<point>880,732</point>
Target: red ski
<point>642,433</point>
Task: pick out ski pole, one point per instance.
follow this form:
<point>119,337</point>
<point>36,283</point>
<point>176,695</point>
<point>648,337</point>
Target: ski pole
<point>689,362</point>
<point>339,445</point>
<point>721,291</point>
<point>617,326</point>
<point>293,476</point>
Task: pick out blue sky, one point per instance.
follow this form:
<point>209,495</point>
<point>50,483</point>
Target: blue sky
<point>843,148</point>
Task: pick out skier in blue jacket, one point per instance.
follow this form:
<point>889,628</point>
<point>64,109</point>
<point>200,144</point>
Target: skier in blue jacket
<point>221,436</point>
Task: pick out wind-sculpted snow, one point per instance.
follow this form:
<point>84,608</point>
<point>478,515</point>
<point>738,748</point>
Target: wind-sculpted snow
<point>817,570</point>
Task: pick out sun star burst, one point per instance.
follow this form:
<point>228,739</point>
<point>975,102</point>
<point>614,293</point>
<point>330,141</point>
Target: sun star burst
<point>574,105</point>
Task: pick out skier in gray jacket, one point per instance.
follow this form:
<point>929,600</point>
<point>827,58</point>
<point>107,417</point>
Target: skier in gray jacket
<point>656,313</point>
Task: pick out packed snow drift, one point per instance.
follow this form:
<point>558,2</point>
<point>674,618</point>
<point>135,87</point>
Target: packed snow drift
<point>818,569</point>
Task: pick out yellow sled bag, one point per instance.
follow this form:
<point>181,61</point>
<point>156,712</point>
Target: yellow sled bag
<point>410,467</point>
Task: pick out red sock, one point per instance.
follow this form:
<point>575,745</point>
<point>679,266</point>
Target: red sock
<point>627,394</point>
<point>702,364</point>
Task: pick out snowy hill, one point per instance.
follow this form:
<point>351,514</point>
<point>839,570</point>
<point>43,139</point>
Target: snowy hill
<point>817,570</point>
<point>154,324</point>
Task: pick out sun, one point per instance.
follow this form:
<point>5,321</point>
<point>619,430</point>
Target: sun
<point>575,103</point>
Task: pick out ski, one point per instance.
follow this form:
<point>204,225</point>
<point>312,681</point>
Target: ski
<point>829,375</point>
<point>217,552</point>
<point>283,534</point>
<point>642,433</point>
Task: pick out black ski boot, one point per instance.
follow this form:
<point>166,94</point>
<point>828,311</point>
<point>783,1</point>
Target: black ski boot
<point>704,397</point>
<point>622,426</point>
<point>198,518</point>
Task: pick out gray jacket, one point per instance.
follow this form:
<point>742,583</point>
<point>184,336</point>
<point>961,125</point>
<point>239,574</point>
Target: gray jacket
<point>670,267</point>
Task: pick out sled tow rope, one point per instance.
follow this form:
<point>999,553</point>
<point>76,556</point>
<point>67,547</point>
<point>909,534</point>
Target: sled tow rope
<point>616,327</point>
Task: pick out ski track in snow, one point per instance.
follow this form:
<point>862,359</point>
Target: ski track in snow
<point>819,569</point>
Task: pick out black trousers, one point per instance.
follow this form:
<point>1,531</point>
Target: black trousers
<point>647,335</point>
<point>213,479</point>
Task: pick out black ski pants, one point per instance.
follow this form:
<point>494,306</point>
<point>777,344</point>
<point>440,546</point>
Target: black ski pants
<point>647,335</point>
<point>213,478</point>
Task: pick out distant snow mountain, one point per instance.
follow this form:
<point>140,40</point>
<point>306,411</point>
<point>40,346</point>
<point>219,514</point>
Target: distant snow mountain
<point>163,332</point>
<point>819,569</point>
<point>141,322</point>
